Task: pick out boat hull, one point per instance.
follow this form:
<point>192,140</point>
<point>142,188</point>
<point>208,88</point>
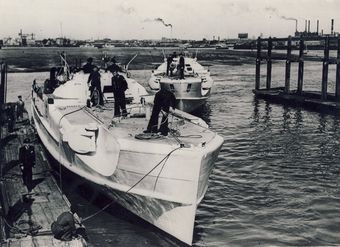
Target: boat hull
<point>175,217</point>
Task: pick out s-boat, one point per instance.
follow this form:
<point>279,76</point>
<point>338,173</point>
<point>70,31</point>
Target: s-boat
<point>161,179</point>
<point>191,90</point>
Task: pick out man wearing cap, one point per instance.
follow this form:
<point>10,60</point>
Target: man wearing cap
<point>27,158</point>
<point>119,86</point>
<point>114,67</point>
<point>88,67</point>
<point>95,84</point>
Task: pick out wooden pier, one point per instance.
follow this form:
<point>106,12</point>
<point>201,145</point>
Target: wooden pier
<point>319,101</point>
<point>26,217</point>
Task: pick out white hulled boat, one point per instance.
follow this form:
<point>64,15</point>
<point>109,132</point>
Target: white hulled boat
<point>192,91</point>
<point>161,179</point>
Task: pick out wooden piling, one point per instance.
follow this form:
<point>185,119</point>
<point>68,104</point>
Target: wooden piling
<point>269,63</point>
<point>3,83</point>
<point>337,85</point>
<point>325,70</point>
<point>288,64</point>
<point>301,67</point>
<point>258,65</point>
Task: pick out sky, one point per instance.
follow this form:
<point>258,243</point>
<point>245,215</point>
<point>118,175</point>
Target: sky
<point>141,19</point>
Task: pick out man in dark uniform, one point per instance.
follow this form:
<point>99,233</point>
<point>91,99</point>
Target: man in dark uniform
<point>119,86</point>
<point>164,99</point>
<point>181,66</point>
<point>88,67</point>
<point>113,67</point>
<point>27,158</point>
<point>95,83</point>
<point>20,108</point>
<point>168,62</point>
<point>10,113</point>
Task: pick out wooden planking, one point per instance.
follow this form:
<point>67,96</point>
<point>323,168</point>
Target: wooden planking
<point>49,203</point>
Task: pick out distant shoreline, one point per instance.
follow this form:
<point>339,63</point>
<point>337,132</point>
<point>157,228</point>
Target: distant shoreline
<point>33,59</point>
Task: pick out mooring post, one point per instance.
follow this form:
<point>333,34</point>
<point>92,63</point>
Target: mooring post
<point>288,64</point>
<point>301,67</point>
<point>3,83</point>
<point>269,63</point>
<point>258,65</point>
<point>337,85</point>
<point>325,70</point>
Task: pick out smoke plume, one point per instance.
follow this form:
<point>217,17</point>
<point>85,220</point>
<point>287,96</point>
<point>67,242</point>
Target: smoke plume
<point>159,20</point>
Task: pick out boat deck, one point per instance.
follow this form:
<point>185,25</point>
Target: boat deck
<point>127,128</point>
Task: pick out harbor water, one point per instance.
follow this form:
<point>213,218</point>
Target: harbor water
<point>276,181</point>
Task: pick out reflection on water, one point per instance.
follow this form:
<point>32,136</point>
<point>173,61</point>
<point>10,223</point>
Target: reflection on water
<point>276,180</point>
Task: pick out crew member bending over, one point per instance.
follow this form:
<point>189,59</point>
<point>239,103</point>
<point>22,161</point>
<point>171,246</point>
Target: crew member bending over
<point>163,102</point>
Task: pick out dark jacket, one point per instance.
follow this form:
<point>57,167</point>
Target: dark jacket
<point>164,99</point>
<point>27,156</point>
<point>114,68</point>
<point>181,62</point>
<point>119,86</point>
<point>94,78</point>
<point>88,68</point>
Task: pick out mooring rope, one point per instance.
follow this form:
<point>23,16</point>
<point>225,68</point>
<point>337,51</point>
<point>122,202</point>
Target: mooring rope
<point>134,185</point>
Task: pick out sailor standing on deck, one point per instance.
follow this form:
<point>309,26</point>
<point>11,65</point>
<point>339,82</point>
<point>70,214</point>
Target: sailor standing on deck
<point>168,63</point>
<point>163,102</point>
<point>113,67</point>
<point>181,66</point>
<point>119,86</point>
<point>88,67</point>
<point>95,84</point>
<point>27,158</point>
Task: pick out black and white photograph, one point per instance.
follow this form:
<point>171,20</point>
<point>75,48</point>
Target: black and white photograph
<point>177,123</point>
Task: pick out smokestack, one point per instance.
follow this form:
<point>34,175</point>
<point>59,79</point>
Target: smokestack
<point>332,26</point>
<point>308,26</point>
<point>305,25</point>
<point>317,26</point>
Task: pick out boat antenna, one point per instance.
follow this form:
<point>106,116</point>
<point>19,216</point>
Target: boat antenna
<point>127,65</point>
<point>163,54</point>
<point>65,65</point>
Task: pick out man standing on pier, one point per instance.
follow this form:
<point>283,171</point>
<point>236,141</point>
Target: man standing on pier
<point>27,158</point>
<point>20,108</point>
